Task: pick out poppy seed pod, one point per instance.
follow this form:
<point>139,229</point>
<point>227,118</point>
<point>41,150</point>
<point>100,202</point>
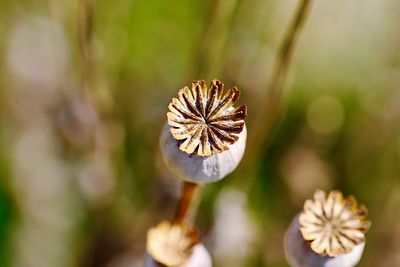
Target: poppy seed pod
<point>204,138</point>
<point>175,245</point>
<point>299,253</point>
<point>330,232</point>
<point>199,258</point>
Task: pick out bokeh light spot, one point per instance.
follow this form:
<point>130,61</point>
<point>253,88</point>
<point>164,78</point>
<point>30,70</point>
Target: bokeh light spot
<point>325,114</point>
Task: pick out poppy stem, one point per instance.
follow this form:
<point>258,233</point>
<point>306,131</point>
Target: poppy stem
<point>280,70</point>
<point>188,203</point>
<point>85,40</point>
<point>272,104</point>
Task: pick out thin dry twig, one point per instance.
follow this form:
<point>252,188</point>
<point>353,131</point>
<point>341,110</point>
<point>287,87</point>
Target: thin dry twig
<point>276,85</point>
<point>208,52</point>
<point>187,203</point>
<point>261,133</point>
<point>85,39</point>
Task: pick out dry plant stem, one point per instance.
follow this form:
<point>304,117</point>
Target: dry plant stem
<point>208,51</point>
<point>85,31</point>
<point>200,51</point>
<point>87,90</point>
<point>187,203</point>
<point>260,134</point>
<point>276,85</point>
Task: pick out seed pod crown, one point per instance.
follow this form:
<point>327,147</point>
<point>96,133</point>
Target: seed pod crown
<point>171,244</point>
<point>205,121</point>
<point>333,224</point>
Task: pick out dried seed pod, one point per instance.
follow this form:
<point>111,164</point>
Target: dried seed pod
<point>199,258</point>
<point>205,136</point>
<point>299,253</point>
<point>175,245</point>
<point>330,232</point>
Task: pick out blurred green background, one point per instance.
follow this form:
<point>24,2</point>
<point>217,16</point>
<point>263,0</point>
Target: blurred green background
<point>81,178</point>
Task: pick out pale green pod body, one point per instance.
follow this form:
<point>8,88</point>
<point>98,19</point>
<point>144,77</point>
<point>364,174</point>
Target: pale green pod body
<point>200,258</point>
<point>201,169</point>
<point>299,253</point>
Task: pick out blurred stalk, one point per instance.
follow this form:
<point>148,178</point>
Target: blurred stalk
<point>92,83</point>
<point>188,203</point>
<point>272,103</point>
<point>85,34</point>
<point>94,169</point>
<point>208,54</point>
<point>101,148</point>
<point>261,133</point>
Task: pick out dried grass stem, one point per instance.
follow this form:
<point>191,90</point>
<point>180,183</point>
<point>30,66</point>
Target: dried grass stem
<point>275,87</point>
<point>187,203</point>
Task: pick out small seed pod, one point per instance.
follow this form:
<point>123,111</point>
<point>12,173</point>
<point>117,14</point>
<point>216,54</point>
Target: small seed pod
<point>175,245</point>
<point>330,232</point>
<point>199,258</point>
<point>205,136</point>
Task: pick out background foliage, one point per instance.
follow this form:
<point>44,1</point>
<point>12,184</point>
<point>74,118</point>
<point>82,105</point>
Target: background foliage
<point>66,200</point>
